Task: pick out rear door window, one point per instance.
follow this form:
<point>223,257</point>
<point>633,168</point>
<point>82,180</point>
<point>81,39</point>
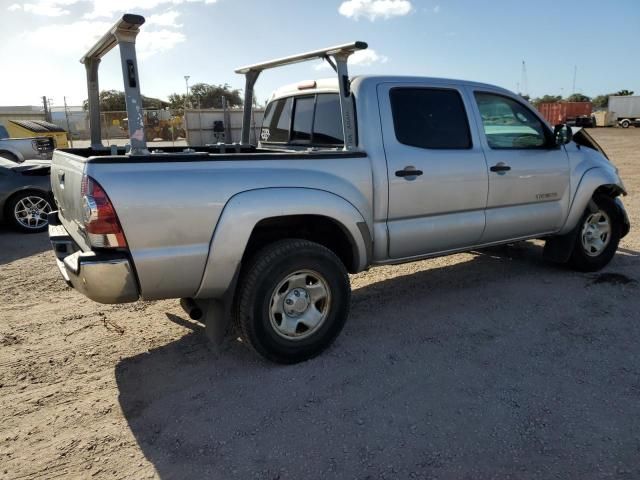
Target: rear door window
<point>430,118</point>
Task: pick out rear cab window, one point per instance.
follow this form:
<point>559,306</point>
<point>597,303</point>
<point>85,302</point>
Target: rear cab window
<point>277,120</point>
<point>302,120</point>
<point>310,120</point>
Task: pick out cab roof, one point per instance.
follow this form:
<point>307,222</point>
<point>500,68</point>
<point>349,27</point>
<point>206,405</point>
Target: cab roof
<point>331,84</point>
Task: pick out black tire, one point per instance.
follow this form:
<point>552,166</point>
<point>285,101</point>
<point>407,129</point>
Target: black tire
<point>266,271</point>
<point>18,222</point>
<point>625,123</point>
<point>581,258</point>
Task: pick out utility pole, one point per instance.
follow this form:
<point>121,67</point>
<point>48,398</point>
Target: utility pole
<point>66,114</point>
<point>47,114</point>
<point>226,118</point>
<point>524,82</point>
<point>184,118</point>
<point>186,98</point>
<point>575,73</point>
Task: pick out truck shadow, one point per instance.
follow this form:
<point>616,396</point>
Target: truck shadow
<point>432,365</point>
<point>17,245</point>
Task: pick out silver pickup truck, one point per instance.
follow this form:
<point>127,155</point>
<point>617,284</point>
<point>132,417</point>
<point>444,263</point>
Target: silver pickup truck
<point>349,173</point>
<point>21,149</point>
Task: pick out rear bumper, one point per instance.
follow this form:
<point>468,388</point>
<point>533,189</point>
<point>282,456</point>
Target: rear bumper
<point>103,277</point>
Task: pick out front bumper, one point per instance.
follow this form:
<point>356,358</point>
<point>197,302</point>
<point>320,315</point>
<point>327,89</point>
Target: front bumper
<point>105,277</point>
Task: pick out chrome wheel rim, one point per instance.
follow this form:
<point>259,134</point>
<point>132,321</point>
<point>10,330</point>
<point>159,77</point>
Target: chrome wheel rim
<point>596,233</point>
<point>299,305</point>
<point>32,212</point>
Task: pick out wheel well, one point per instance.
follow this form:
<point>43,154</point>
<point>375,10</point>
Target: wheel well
<point>315,228</point>
<point>611,190</point>
<point>9,155</point>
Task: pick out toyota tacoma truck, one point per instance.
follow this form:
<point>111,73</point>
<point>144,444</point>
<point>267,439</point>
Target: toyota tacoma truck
<point>349,173</point>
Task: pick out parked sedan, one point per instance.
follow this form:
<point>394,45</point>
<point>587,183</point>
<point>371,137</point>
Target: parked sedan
<point>25,194</point>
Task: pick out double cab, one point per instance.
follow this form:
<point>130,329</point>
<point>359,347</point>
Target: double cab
<point>349,173</point>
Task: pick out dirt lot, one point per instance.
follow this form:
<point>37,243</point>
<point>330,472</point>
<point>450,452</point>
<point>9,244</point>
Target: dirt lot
<point>483,365</point>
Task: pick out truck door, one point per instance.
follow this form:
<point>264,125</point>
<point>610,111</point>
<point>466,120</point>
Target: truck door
<point>436,169</point>
<point>528,173</point>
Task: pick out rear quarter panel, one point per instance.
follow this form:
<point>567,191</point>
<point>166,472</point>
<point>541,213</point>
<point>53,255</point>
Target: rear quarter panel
<point>169,210</point>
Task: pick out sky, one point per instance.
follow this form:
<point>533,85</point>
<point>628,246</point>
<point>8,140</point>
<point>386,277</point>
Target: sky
<point>41,42</point>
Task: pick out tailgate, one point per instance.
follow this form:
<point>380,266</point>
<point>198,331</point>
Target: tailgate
<point>66,180</point>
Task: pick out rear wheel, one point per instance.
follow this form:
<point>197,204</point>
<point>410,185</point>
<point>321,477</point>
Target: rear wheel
<point>293,300</point>
<point>625,123</point>
<point>28,211</point>
<point>598,236</point>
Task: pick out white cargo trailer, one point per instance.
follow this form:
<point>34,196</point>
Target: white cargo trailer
<point>625,110</point>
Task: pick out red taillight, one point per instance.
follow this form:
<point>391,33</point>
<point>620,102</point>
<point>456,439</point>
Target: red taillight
<point>100,219</point>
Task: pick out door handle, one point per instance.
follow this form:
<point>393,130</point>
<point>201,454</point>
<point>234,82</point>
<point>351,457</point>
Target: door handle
<point>500,167</point>
<point>409,171</point>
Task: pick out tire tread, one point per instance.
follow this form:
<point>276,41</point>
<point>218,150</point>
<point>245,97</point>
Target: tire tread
<point>249,277</point>
<point>579,260</point>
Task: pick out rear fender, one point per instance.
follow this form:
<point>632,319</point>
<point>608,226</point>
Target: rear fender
<point>245,210</point>
<point>590,182</point>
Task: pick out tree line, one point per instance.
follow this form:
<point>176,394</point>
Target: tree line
<point>201,95</point>
<point>599,101</point>
<point>204,95</point>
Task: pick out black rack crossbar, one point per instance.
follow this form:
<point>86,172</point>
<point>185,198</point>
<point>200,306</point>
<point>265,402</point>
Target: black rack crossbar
<point>346,49</point>
<point>336,56</point>
<point>128,23</point>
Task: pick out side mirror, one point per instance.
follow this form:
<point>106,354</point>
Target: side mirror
<point>562,133</point>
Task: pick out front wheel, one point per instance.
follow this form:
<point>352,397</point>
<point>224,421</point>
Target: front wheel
<point>293,300</point>
<point>625,123</point>
<point>598,236</point>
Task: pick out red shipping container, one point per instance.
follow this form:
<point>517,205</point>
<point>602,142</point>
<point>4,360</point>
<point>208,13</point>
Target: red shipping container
<point>560,112</point>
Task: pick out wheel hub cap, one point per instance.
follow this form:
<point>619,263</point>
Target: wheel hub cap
<point>31,212</point>
<point>296,302</point>
<point>299,305</point>
<point>596,233</point>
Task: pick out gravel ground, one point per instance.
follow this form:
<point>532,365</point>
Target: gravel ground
<point>483,365</point>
